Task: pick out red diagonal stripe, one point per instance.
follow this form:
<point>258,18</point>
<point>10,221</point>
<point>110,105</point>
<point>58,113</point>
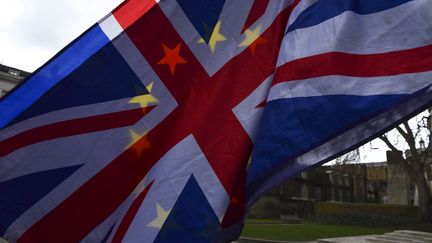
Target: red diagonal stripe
<point>131,10</point>
<point>204,109</point>
<point>127,170</point>
<point>357,65</point>
<point>71,128</point>
<point>258,9</point>
<point>102,194</point>
<point>130,215</point>
<point>262,104</point>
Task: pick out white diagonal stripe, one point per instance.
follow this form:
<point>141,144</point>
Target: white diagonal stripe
<point>400,28</point>
<point>111,27</point>
<point>344,85</point>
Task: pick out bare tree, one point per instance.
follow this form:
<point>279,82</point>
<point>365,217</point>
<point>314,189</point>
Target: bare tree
<point>350,157</point>
<point>417,159</point>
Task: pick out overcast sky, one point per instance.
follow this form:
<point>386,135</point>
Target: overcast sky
<point>32,31</point>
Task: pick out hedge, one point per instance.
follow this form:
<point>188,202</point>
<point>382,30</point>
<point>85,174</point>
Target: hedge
<point>365,214</point>
<point>326,208</point>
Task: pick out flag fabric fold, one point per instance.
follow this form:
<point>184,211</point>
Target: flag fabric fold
<point>141,130</point>
<point>347,72</point>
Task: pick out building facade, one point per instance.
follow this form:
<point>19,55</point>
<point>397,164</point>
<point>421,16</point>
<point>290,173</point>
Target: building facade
<point>351,183</point>
<point>10,77</point>
<point>382,182</point>
<point>340,183</point>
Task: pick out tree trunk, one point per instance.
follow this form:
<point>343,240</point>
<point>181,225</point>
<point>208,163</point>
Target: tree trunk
<point>424,197</point>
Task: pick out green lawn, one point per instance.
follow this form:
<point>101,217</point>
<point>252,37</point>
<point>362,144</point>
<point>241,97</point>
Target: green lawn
<point>313,231</point>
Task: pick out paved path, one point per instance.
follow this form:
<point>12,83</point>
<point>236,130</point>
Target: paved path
<point>399,236</point>
<point>253,240</point>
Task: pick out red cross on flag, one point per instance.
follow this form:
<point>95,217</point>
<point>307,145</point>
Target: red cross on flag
<point>142,129</point>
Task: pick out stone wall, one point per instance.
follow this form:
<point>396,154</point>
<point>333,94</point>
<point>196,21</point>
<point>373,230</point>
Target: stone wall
<point>400,189</point>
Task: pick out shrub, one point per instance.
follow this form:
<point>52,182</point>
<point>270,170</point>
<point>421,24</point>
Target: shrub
<point>266,207</point>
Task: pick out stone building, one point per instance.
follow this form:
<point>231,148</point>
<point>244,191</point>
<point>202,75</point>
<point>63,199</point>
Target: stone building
<point>381,182</point>
<point>353,183</point>
<point>340,183</point>
<point>343,183</point>
<point>400,187</point>
<point>9,78</point>
<point>377,176</point>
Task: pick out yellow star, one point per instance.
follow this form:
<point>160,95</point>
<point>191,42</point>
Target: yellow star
<point>215,37</point>
<point>144,100</point>
<point>162,215</point>
<point>252,39</point>
<point>138,144</point>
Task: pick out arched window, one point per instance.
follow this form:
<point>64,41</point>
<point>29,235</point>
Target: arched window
<point>304,191</point>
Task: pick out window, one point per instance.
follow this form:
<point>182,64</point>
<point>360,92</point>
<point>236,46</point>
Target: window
<point>14,72</point>
<point>385,199</point>
<point>304,175</point>
<point>331,176</point>
<point>370,186</point>
<point>339,179</point>
<point>304,191</point>
<point>317,193</point>
<point>3,92</point>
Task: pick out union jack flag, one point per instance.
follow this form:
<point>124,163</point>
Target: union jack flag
<point>348,71</point>
<point>142,128</point>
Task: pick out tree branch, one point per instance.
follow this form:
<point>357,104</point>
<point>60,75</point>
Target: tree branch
<point>409,132</point>
<point>405,162</point>
<point>426,153</point>
<point>409,138</point>
<point>388,143</point>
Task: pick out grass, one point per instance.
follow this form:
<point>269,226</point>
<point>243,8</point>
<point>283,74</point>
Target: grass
<point>314,231</point>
